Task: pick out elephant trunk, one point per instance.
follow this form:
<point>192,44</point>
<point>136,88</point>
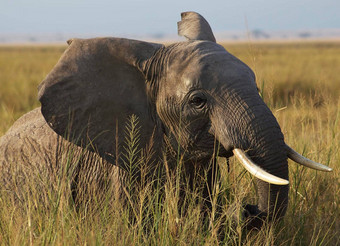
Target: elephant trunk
<point>254,129</point>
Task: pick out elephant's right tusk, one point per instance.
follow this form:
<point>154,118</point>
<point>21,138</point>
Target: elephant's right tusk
<point>257,171</point>
<point>295,156</point>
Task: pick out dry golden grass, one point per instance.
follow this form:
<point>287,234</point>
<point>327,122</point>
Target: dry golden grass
<point>299,82</point>
<point>291,70</point>
<point>21,71</point>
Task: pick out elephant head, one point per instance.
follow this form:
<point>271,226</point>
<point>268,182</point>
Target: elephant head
<point>193,92</point>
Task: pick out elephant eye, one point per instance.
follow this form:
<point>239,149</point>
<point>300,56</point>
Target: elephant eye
<point>198,101</point>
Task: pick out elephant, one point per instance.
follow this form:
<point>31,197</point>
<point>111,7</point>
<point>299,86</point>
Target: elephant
<point>189,97</point>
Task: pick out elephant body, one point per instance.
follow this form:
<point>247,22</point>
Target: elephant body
<point>194,101</point>
<point>33,156</point>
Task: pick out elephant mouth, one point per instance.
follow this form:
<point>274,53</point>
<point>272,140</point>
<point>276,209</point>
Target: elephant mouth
<point>200,151</point>
<point>257,171</point>
<point>254,168</point>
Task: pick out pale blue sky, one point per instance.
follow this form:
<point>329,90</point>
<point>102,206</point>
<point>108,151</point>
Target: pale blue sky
<point>119,17</point>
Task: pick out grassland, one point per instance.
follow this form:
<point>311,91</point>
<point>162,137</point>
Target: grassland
<point>300,83</point>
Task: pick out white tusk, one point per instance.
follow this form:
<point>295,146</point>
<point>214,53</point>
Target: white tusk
<point>292,154</point>
<point>257,171</point>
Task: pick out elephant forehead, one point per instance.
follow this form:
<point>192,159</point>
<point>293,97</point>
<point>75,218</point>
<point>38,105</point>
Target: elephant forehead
<point>225,71</point>
<point>208,71</point>
<point>182,77</point>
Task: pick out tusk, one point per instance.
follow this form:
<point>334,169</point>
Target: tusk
<point>295,156</point>
<point>257,171</point>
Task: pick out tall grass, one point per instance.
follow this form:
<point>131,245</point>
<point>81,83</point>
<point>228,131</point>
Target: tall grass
<point>299,83</point>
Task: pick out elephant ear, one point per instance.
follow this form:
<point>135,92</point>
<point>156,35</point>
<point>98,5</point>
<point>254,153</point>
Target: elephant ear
<point>194,27</point>
<point>95,84</point>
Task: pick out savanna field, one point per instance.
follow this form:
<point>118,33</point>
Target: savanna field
<point>299,81</point>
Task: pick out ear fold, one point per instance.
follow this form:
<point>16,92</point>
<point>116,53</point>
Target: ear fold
<point>194,27</point>
<point>95,86</point>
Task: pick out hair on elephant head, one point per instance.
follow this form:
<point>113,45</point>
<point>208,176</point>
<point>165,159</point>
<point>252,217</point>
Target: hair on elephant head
<point>194,93</point>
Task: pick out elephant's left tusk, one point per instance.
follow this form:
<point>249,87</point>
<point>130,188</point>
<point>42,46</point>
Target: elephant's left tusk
<point>257,171</point>
<point>295,156</point>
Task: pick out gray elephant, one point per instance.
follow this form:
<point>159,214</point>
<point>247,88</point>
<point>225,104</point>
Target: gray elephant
<point>189,96</point>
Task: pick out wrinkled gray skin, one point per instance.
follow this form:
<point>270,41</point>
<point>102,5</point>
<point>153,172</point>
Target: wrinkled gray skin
<point>190,93</point>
